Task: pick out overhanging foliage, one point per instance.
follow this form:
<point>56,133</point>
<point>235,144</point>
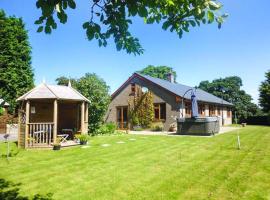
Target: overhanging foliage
<point>112,18</point>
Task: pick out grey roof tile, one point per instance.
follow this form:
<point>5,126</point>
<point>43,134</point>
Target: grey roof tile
<point>180,89</point>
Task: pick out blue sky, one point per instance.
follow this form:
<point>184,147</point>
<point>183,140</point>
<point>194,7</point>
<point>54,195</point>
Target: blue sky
<point>241,47</point>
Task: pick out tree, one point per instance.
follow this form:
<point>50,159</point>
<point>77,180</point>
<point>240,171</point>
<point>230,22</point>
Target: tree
<point>229,89</point>
<point>111,18</point>
<point>158,71</point>
<point>264,89</point>
<point>62,80</point>
<point>96,90</point>
<point>16,73</point>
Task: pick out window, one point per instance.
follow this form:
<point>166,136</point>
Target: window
<point>229,113</point>
<point>212,110</point>
<point>201,110</point>
<point>218,111</point>
<point>133,88</point>
<point>188,109</point>
<point>160,111</point>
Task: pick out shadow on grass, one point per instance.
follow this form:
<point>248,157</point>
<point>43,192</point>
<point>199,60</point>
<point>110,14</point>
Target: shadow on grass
<point>11,191</point>
<point>12,152</point>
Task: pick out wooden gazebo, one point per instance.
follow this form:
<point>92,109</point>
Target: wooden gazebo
<point>49,111</point>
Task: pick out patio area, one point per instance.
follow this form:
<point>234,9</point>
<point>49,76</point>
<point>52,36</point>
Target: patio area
<point>223,129</point>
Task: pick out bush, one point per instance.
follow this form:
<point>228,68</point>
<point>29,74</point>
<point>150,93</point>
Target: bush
<point>157,126</point>
<point>1,111</point>
<point>259,120</point>
<point>108,128</point>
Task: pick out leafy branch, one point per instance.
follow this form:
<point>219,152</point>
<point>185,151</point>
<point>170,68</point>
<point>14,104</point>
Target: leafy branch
<point>112,18</point>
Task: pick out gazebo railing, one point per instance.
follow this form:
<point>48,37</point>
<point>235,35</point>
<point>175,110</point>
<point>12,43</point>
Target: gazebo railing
<point>40,133</point>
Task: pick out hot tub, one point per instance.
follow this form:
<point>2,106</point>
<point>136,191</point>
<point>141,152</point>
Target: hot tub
<point>198,126</point>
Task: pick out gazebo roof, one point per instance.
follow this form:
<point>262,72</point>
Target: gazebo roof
<point>44,91</point>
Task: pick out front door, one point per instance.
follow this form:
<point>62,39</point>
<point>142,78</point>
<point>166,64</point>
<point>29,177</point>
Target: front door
<point>122,117</point>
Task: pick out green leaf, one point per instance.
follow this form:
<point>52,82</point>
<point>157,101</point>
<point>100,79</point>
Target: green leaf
<point>65,4</point>
<point>211,17</point>
<point>214,6</point>
<point>133,10</point>
<point>48,29</point>
<point>99,43</point>
<point>150,20</point>
<point>54,25</point>
<point>39,21</point>
<point>86,25</point>
<point>193,23</point>
<point>97,28</point>
<point>40,29</point>
<point>71,4</point>
<point>118,46</point>
<point>143,12</point>
<point>166,25</point>
<point>62,17</point>
<point>90,33</point>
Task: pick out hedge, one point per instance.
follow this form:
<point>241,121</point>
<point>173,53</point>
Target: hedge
<point>259,120</point>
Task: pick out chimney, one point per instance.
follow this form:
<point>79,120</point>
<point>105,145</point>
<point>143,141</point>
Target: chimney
<point>170,77</point>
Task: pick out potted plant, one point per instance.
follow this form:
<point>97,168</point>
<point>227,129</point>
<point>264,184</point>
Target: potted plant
<point>57,144</point>
<point>172,128</point>
<point>76,138</point>
<point>83,139</point>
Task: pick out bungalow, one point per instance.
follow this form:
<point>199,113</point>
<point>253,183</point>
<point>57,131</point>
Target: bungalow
<point>48,112</point>
<point>168,97</point>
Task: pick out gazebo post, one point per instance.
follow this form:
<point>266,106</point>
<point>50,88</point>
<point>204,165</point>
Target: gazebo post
<point>82,117</point>
<point>55,116</point>
<point>86,117</point>
<point>27,115</point>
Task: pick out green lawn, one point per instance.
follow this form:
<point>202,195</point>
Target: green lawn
<point>151,167</point>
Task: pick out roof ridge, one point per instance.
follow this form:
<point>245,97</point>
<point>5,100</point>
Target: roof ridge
<point>165,80</point>
<point>47,86</point>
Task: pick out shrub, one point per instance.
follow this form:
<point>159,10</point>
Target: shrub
<point>1,111</point>
<point>157,126</point>
<point>108,128</point>
<point>111,127</point>
<point>259,120</point>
